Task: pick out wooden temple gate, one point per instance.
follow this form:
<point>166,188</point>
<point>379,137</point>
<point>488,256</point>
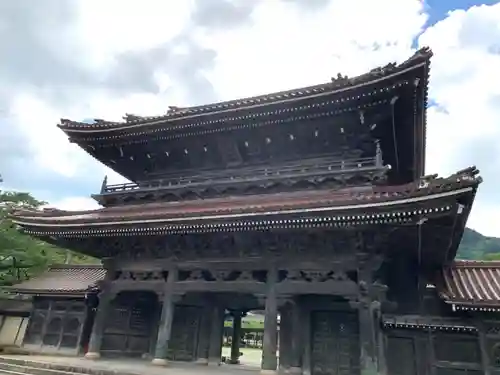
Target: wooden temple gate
<point>311,203</point>
<point>176,310</point>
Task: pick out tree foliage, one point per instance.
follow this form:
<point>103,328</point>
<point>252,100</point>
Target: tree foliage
<point>22,256</point>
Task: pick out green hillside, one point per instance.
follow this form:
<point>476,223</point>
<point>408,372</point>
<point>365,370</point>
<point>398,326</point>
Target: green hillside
<point>476,246</point>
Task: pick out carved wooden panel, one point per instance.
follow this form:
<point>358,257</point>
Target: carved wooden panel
<point>316,276</point>
<point>303,244</point>
<point>183,340</point>
<point>335,343</point>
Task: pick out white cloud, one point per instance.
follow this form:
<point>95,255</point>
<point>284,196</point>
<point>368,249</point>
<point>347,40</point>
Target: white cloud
<point>285,46</point>
<point>464,83</point>
<point>75,204</point>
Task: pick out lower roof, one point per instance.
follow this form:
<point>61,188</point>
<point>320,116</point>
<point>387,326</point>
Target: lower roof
<point>63,280</point>
<point>377,205</point>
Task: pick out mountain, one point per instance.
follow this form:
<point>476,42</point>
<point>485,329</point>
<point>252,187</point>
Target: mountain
<point>475,246</point>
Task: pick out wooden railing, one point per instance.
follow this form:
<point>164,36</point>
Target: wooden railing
<point>303,168</point>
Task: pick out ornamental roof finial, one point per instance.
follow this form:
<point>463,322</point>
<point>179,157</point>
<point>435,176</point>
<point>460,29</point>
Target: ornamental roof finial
<point>104,184</point>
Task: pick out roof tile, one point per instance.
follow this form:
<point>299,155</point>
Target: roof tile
<point>63,279</point>
<point>471,283</point>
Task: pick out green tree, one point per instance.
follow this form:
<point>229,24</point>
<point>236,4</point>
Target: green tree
<point>22,256</point>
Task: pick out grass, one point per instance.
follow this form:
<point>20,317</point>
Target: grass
<point>250,322</point>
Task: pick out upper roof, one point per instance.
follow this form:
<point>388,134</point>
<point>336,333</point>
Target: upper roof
<point>471,285</point>
<point>374,205</point>
<point>63,279</point>
<point>340,85</point>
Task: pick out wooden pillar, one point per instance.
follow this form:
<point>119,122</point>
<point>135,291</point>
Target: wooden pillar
<point>270,342</point>
<point>285,334</point>
<point>216,332</point>
<point>235,342</point>
<point>204,336</point>
<point>296,340</point>
<point>306,336</point>
<point>165,324</point>
<point>94,347</point>
<point>483,346</point>
<point>368,348</point>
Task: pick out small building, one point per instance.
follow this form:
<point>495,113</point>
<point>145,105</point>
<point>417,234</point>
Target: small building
<point>62,312</point>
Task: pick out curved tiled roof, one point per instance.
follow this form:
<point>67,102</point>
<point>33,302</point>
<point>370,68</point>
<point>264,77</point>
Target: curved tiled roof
<point>472,285</point>
<point>63,279</point>
<point>336,85</point>
<point>247,211</point>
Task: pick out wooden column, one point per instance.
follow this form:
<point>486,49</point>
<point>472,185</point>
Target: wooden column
<point>235,342</point>
<point>204,336</point>
<point>165,324</point>
<point>270,342</point>
<point>368,347</point>
<point>296,340</point>
<point>94,348</point>
<point>216,331</point>
<point>285,334</point>
<point>483,346</point>
<point>306,336</point>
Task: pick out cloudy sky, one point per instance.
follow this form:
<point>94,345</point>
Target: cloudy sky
<point>83,59</point>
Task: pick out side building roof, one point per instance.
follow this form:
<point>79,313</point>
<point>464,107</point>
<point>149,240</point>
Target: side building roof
<point>63,280</point>
<point>471,285</point>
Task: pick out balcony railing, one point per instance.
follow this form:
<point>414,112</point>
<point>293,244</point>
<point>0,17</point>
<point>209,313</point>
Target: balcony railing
<point>300,168</point>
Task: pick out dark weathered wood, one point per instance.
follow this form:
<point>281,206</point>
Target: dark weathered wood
<point>218,287</point>
<point>296,339</point>
<point>204,335</point>
<point>284,338</point>
<point>269,346</point>
<point>216,332</point>
<point>305,331</point>
<point>483,345</point>
<point>166,318</point>
<point>236,338</point>
<point>339,288</point>
<point>368,353</point>
<point>94,347</point>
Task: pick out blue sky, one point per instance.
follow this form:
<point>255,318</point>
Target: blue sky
<point>438,9</point>
<point>64,59</point>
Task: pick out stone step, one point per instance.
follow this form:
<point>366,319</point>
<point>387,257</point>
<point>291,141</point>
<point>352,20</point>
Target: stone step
<point>32,369</point>
<point>26,366</point>
<point>8,372</point>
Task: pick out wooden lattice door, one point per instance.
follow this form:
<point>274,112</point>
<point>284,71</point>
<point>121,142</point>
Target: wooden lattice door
<point>335,343</point>
<point>129,324</point>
